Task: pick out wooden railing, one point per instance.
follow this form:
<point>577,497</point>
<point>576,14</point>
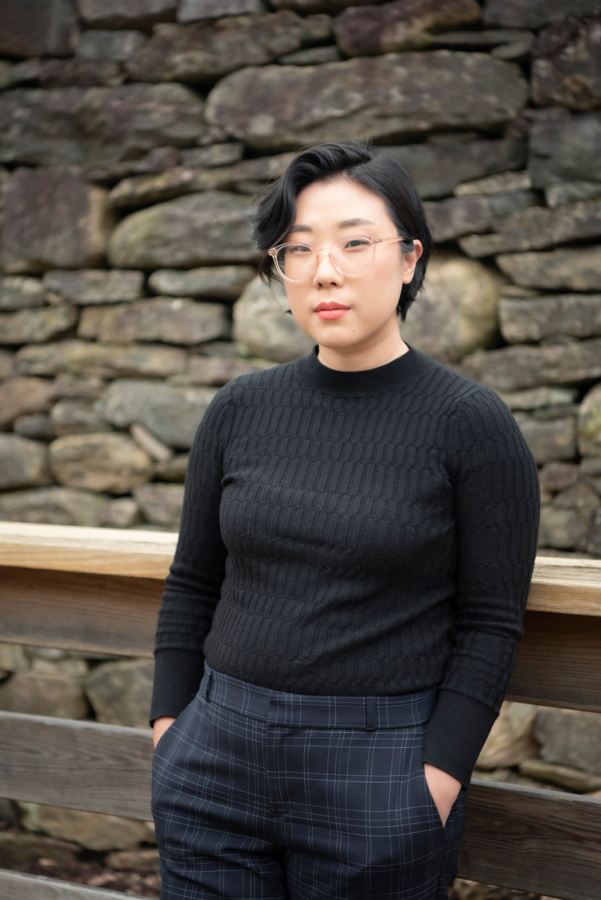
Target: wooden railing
<point>99,589</point>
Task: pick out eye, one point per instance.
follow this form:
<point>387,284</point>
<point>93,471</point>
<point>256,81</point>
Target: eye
<point>356,244</point>
<point>298,248</point>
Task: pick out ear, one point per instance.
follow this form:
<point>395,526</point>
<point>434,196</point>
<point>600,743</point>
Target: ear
<point>411,261</point>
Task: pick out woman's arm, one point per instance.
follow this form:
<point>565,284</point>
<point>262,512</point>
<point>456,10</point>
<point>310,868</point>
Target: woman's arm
<point>193,585</point>
<point>497,504</point>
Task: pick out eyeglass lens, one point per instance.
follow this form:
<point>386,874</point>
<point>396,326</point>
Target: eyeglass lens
<point>351,255</point>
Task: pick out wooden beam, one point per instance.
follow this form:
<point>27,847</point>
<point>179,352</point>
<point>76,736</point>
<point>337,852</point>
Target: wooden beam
<point>17,886</point>
<point>530,839</point>
<point>79,765</point>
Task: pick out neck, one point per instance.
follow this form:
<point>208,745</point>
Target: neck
<point>354,359</point>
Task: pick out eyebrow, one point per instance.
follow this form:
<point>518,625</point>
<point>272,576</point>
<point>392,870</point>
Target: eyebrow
<point>346,223</point>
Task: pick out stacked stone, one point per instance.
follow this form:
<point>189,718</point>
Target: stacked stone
<point>133,139</point>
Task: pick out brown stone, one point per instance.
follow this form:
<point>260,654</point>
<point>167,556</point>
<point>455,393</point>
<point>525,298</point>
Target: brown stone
<point>99,462</point>
<point>54,506</point>
<point>192,10</point>
<point>522,321</point>
<point>96,359</point>
<point>312,56</point>
<point>219,369</point>
<point>49,73</point>
<point>537,228</point>
<point>44,694</point>
<point>120,690</point>
<point>589,423</point>
<point>566,65</point>
<point>174,320</point>
<point>401,25</point>
<point>24,395</point>
<point>96,126</point>
<point>514,368</point>
<point>19,292</point>
<point>174,469</point>
<point>133,14</point>
<point>22,847</point>
<point>549,439</point>
<point>57,220</point>
<point>118,46</point>
<point>205,52</point>
<point>23,463</point>
<point>31,28</point>
<point>534,13</point>
<point>398,94</point>
<point>74,416</point>
<point>36,326</point>
<point>95,831</point>
<point>161,503</point>
<point>556,476</point>
<point>562,529</point>
<point>572,269</point>
<point>35,426</point>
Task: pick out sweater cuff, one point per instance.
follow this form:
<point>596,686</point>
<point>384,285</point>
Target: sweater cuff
<point>456,733</point>
<point>177,677</point>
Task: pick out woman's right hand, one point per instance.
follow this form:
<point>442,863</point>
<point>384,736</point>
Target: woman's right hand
<point>160,727</point>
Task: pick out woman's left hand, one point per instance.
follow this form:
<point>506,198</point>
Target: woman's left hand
<point>444,789</point>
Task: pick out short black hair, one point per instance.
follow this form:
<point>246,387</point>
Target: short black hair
<point>359,162</point>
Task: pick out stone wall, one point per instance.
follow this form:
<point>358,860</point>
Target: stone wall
<point>133,137</point>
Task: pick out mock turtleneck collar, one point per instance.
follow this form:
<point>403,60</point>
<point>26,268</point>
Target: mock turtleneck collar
<point>390,376</point>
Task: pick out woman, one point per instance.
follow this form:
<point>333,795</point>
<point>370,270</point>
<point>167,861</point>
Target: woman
<point>356,547</point>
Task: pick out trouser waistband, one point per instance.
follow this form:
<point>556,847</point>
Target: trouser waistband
<point>317,711</point>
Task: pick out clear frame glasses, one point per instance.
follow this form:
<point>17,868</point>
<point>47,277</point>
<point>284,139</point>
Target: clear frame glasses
<point>351,255</point>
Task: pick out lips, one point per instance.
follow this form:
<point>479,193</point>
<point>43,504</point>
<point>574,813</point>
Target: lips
<point>332,305</point>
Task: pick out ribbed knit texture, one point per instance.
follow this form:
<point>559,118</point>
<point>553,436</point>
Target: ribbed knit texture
<point>355,533</point>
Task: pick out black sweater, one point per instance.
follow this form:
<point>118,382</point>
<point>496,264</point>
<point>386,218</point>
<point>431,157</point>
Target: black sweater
<point>355,533</point>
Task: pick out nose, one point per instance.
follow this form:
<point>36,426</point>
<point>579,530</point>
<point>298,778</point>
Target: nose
<point>325,272</point>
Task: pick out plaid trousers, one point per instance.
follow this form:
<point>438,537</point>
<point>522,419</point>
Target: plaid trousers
<point>260,794</point>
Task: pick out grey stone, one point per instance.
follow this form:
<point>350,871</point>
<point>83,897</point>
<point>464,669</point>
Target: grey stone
<point>400,25</point>
<point>35,426</point>
<point>4,80</point>
<point>261,324</point>
<point>99,462</point>
<point>192,10</point>
<point>532,319</point>
<point>94,831</point>
<point>515,368</point>
<point>569,191</point>
<point>133,14</point>
<point>557,476</point>
<point>398,94</point>
<point>437,169</point>
<point>549,439</point>
<point>201,53</point>
<point>534,13</point>
<point>120,691</point>
<point>53,506</point>
<point>572,269</point>
<point>589,423</point>
<point>577,496</point>
<point>145,189</point>
<point>326,6</point>
<point>20,292</point>
<point>57,220</point>
<point>44,694</point>
<point>570,738</point>
<point>219,369</point>
<point>460,296</point>
<point>12,658</point>
<point>104,360</point>
<point>591,542</point>
<point>31,28</point>
<point>458,216</point>
<point>169,412</point>
<point>174,470</point>
<point>123,512</point>
<point>539,398</point>
<point>565,149</point>
<point>6,363</point>
<point>156,449</point>
<point>537,228</point>
<point>566,64</point>
<point>36,326</point>
<point>96,126</point>
<point>223,282</point>
<point>76,416</point>
<point>114,45</point>
<point>313,56</point>
<point>512,201</point>
<point>19,396</point>
<point>491,185</point>
<point>53,73</point>
<point>562,529</point>
<point>575,780</point>
<point>70,386</point>
<point>23,463</point>
<point>161,503</point>
<point>199,229</point>
<point>510,740</point>
<point>174,320</point>
<point>94,286</point>
<point>213,155</point>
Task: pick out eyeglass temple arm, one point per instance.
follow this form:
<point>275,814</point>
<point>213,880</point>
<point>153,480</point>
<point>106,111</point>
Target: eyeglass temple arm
<point>407,243</point>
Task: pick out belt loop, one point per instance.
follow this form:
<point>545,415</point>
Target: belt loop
<point>207,687</point>
<point>370,713</point>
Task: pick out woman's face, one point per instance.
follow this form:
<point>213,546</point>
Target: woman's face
<point>326,212</point>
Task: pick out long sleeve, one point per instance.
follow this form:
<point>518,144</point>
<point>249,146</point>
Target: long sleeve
<point>497,503</point>
<point>193,585</point>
